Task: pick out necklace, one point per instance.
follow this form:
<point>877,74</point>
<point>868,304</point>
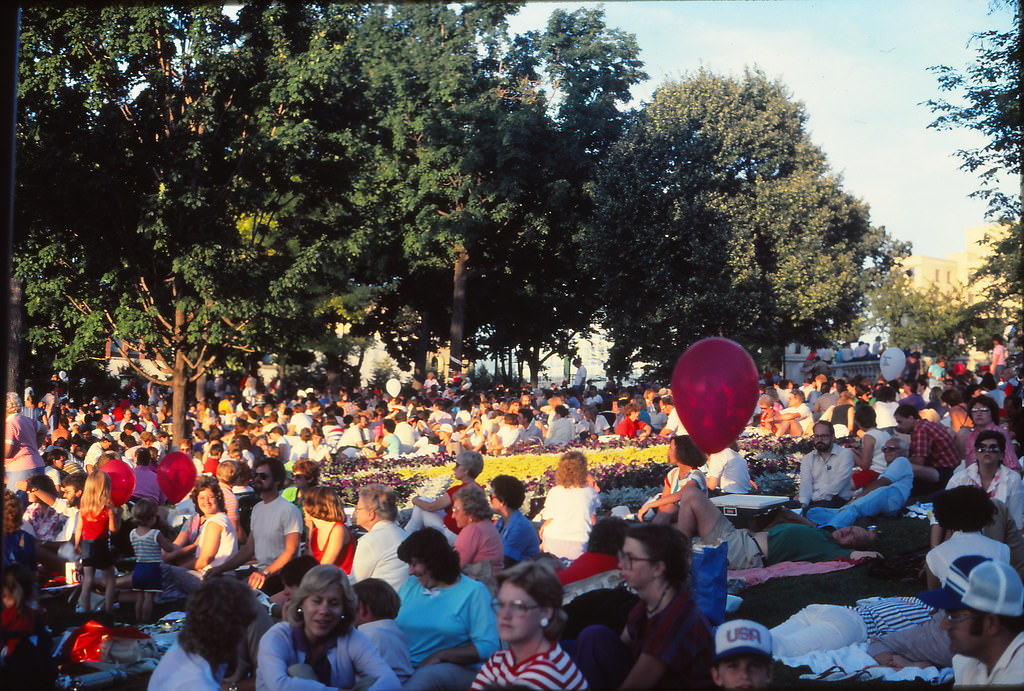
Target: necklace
<point>664,591</point>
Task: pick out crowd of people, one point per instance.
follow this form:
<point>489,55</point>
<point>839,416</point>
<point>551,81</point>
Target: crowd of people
<point>469,589</point>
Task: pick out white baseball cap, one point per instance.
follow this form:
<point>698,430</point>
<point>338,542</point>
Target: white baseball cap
<point>982,584</point>
<point>742,637</point>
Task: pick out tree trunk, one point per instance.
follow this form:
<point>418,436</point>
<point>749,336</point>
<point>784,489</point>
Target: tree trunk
<point>533,362</point>
<point>419,374</point>
<point>179,378</point>
<point>458,311</point>
<point>201,387</point>
<point>15,340</point>
<point>332,363</point>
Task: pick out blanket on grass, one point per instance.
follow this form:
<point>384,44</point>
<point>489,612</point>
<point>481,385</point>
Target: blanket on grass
<point>789,568</point>
<point>842,663</point>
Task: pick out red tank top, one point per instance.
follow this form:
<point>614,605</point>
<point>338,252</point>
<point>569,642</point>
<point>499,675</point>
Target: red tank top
<point>95,527</point>
<point>348,552</point>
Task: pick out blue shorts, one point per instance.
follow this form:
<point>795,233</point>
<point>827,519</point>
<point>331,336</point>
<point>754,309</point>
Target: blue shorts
<point>147,576</point>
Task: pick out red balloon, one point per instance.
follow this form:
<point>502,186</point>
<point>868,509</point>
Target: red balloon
<point>714,388</point>
<point>176,475</point>
<point>122,481</point>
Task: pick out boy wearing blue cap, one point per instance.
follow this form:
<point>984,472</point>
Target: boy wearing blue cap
<point>743,655</point>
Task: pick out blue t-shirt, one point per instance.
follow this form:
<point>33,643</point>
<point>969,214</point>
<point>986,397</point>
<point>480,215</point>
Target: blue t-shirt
<point>393,444</point>
<point>519,537</point>
<point>446,618</point>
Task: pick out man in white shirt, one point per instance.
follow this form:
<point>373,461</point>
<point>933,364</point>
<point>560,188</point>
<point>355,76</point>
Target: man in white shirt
<point>728,472</point>
<point>561,430</point>
<point>377,550</point>
<point>579,380</point>
<point>299,420</point>
<point>825,472</point>
<point>795,420</point>
<point>274,537</point>
<point>406,433</point>
<point>983,602</point>
<point>673,426</point>
<point>358,438</point>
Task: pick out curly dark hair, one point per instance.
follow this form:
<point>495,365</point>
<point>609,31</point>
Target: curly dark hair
<point>509,490</point>
<point>216,617</point>
<point>429,547</point>
<point>13,511</point>
<point>211,483</point>
<point>607,536</point>
<point>966,508</point>
<point>685,451</point>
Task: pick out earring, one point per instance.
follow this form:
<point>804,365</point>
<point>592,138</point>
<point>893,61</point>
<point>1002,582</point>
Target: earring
<point>298,610</point>
<point>544,622</point>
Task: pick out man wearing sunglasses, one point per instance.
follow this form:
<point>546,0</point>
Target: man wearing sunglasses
<point>276,524</point>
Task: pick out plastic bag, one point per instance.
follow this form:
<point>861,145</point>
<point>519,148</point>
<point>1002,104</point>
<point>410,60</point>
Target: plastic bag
<point>120,643</point>
<point>708,580</point>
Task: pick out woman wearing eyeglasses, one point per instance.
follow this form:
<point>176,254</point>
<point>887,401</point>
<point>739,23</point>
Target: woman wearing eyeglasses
<point>317,645</point>
<point>667,641</point>
<point>530,619</point>
<point>985,416</point>
<point>991,474</point>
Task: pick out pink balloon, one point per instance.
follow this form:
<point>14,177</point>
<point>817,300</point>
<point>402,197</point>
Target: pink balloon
<point>714,388</point>
<point>176,475</point>
<point>122,481</point>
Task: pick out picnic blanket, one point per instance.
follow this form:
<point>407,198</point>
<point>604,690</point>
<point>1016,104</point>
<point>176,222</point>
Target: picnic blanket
<point>843,664</point>
<point>789,568</point>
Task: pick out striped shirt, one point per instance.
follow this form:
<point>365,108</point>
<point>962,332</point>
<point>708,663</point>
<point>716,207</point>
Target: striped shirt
<point>147,550</point>
<point>889,614</point>
<point>552,669</point>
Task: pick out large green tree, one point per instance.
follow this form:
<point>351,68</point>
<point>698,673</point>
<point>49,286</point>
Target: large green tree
<point>478,192</point>
<point>717,215</point>
<point>988,100</point>
<point>179,177</point>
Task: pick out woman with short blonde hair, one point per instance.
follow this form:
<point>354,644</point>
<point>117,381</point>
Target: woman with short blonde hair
<point>318,640</point>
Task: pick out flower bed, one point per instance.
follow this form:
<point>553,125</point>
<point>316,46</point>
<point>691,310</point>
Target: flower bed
<point>626,472</point>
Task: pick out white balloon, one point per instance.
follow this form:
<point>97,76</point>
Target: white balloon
<point>393,387</point>
<point>63,375</point>
<point>892,363</point>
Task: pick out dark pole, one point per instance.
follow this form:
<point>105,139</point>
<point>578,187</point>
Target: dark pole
<point>11,23</point>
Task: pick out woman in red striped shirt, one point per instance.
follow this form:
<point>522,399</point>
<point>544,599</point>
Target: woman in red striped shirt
<point>530,619</point>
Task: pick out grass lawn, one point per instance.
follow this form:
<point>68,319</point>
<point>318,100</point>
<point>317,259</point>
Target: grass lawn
<point>773,602</point>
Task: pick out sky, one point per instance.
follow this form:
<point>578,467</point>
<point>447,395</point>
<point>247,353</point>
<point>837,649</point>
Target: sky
<point>861,70</point>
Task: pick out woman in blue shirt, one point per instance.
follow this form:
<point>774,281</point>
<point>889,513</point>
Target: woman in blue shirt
<point>518,534</point>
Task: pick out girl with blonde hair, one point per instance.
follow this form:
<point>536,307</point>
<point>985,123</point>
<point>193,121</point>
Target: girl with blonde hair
<point>98,518</point>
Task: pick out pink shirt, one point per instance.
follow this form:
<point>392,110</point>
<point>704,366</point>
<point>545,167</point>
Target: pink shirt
<point>480,541</point>
<point>22,441</point>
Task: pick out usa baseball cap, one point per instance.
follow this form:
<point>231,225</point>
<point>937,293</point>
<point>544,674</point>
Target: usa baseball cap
<point>979,583</point>
<point>742,637</point>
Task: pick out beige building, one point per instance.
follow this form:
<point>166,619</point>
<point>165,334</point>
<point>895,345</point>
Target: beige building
<point>957,268</point>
